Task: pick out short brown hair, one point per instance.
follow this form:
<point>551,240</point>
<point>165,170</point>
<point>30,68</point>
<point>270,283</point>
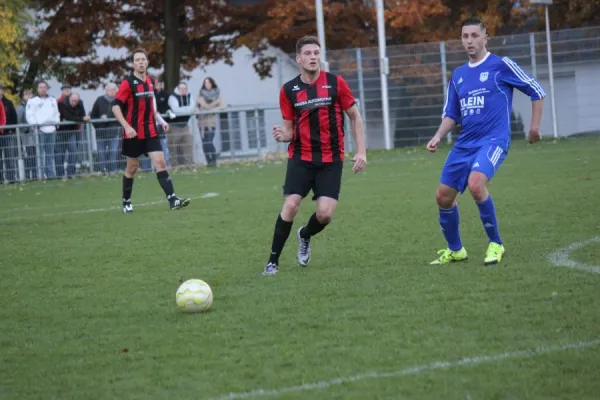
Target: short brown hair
<point>138,51</point>
<point>474,21</point>
<point>303,41</point>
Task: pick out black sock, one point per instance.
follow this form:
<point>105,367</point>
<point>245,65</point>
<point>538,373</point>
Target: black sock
<point>280,236</point>
<point>313,227</point>
<point>165,183</point>
<point>127,188</point>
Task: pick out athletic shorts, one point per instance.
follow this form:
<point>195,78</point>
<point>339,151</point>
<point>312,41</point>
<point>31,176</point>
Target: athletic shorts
<point>323,179</point>
<point>462,161</point>
<point>135,147</point>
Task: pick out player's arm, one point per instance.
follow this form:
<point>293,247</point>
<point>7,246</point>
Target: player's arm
<point>348,103</point>
<point>450,116</point>
<point>122,95</point>
<point>358,132</point>
<point>358,129</point>
<point>285,133</point>
<point>445,127</point>
<point>514,76</point>
<point>129,131</point>
<point>536,120</point>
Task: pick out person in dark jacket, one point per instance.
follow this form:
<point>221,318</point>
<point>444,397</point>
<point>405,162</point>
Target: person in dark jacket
<point>162,105</point>
<point>180,140</point>
<point>108,134</point>
<point>66,139</point>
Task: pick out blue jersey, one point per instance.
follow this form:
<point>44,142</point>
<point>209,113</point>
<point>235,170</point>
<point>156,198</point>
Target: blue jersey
<point>480,97</point>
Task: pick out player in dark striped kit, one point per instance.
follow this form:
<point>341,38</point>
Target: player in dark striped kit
<point>313,106</point>
<point>135,109</point>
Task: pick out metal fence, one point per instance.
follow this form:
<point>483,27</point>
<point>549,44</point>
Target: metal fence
<point>418,76</point>
<point>417,80</point>
<point>207,138</point>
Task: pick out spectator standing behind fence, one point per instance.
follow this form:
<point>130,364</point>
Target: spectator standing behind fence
<point>67,134</point>
<point>27,138</point>
<point>2,117</point>
<point>80,139</point>
<point>65,92</point>
<point>180,141</point>
<point>43,109</point>
<point>108,133</point>
<point>209,100</point>
<point>8,141</point>
<point>162,106</point>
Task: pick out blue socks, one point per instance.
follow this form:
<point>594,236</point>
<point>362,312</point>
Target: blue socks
<point>487,212</point>
<point>449,222</point>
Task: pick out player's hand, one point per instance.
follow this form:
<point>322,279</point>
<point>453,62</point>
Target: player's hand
<point>165,127</point>
<point>534,134</point>
<point>130,132</point>
<point>280,135</point>
<point>433,144</point>
<point>360,162</point>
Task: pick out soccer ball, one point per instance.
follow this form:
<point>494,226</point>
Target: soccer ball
<point>194,295</point>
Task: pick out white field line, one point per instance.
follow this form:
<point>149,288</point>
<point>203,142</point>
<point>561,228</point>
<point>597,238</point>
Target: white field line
<point>414,370</point>
<point>561,257</point>
<point>96,210</point>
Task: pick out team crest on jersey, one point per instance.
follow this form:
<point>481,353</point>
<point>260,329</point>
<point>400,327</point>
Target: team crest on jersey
<point>483,76</point>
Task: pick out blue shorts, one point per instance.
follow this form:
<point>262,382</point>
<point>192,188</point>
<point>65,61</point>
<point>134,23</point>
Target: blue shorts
<point>462,161</point>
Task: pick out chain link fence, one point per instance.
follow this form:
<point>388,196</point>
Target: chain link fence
<point>418,76</point>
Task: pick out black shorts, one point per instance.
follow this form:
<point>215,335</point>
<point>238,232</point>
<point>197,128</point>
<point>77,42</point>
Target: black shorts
<point>324,179</point>
<point>135,147</point>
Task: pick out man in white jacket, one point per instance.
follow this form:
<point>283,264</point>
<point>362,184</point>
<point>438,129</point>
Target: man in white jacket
<point>180,141</point>
<point>43,109</point>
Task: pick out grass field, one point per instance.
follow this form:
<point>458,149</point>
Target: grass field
<point>88,294</point>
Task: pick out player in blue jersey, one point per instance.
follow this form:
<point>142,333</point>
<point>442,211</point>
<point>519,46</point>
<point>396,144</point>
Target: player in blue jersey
<point>479,99</point>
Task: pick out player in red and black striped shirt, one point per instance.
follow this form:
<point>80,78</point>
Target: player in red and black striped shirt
<point>313,106</point>
<point>135,99</point>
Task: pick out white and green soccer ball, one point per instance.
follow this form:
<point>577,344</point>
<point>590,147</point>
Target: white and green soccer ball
<point>194,295</point>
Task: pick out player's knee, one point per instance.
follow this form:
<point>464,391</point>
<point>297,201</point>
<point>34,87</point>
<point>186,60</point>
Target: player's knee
<point>477,187</point>
<point>290,207</point>
<point>160,165</point>
<point>325,211</point>
<point>132,167</point>
<point>443,198</point>
<point>324,215</point>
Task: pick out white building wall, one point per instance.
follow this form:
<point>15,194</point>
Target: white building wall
<point>577,101</point>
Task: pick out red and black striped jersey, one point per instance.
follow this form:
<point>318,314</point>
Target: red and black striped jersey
<point>317,112</point>
<point>136,99</point>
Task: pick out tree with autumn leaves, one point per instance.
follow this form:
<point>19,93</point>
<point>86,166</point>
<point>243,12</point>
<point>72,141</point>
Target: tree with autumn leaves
<point>11,41</point>
<point>182,35</point>
<point>351,23</point>
<point>68,35</point>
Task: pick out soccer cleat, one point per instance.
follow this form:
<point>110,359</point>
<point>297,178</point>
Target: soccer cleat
<point>303,249</point>
<point>176,203</point>
<point>494,254</point>
<point>270,269</point>
<point>127,207</point>
<point>448,256</point>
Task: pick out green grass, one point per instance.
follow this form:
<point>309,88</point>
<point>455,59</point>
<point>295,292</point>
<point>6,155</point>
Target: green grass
<point>80,287</point>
